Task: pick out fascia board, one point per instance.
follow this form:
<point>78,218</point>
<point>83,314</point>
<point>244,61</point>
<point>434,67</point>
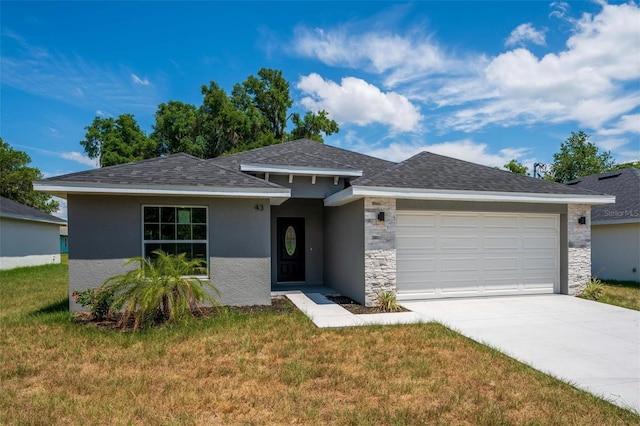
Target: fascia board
<point>298,170</point>
<point>355,192</point>
<point>163,190</point>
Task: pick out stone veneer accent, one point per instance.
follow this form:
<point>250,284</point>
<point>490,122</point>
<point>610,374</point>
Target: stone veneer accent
<point>379,248</point>
<point>579,242</point>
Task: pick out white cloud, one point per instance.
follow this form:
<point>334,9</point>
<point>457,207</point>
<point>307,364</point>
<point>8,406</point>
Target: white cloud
<point>62,211</point>
<point>590,82</point>
<point>79,158</point>
<point>402,58</point>
<point>525,33</point>
<point>54,132</point>
<point>584,83</point>
<point>611,144</point>
<point>356,101</point>
<point>71,79</point>
<point>138,80</point>
<point>627,124</point>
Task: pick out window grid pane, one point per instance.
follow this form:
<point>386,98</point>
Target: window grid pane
<point>172,230</point>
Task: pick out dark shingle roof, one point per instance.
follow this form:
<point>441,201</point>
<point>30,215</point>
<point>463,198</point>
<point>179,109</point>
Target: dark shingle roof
<point>13,209</point>
<point>624,184</point>
<point>431,171</point>
<point>305,153</point>
<point>181,170</point>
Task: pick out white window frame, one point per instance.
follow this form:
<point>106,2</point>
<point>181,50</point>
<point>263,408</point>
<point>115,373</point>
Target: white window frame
<point>178,206</point>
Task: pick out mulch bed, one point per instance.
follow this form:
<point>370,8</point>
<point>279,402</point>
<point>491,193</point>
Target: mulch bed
<point>279,304</point>
<point>356,308</point>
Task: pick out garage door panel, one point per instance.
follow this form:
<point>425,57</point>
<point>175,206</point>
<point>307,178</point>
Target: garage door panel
<point>459,264</point>
<point>420,219</point>
<point>496,242</point>
<point>541,223</point>
<point>417,242</point>
<point>500,222</point>
<point>452,254</point>
<point>539,263</point>
<point>540,242</point>
<point>464,286</point>
<point>503,264</point>
<point>460,242</point>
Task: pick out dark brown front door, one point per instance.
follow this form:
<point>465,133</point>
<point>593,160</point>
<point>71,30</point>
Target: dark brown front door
<point>290,249</point>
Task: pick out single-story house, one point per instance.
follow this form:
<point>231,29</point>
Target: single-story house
<point>615,228</point>
<point>64,239</point>
<point>307,213</point>
<point>28,237</point>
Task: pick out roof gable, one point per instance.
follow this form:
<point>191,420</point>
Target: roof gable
<point>177,170</point>
<point>14,210</point>
<point>305,153</point>
<point>436,172</point>
<point>624,184</point>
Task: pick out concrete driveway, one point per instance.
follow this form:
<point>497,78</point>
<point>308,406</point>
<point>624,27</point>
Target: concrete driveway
<point>594,346</point>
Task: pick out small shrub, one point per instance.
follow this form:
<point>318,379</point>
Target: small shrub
<point>98,301</point>
<point>387,302</point>
<point>593,290</point>
<point>161,290</point>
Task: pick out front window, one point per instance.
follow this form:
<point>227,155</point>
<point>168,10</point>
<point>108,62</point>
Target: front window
<point>175,230</point>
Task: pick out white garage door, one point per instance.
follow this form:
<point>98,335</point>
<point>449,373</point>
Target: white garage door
<point>454,254</point>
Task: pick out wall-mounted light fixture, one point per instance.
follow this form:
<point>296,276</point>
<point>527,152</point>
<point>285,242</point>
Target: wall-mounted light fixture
<point>582,220</point>
<point>259,207</point>
<point>381,216</point>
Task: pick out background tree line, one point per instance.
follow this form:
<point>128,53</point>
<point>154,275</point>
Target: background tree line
<point>255,114</point>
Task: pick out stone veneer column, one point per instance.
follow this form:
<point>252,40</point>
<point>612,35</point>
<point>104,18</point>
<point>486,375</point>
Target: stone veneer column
<point>579,242</point>
<point>379,248</point>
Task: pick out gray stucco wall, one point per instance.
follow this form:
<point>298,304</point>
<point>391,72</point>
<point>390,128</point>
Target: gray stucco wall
<point>311,211</point>
<point>301,187</point>
<point>344,249</point>
<point>28,243</point>
<point>104,231</point>
<point>615,251</point>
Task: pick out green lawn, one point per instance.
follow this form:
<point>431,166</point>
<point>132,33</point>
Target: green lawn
<point>261,368</point>
<point>621,293</point>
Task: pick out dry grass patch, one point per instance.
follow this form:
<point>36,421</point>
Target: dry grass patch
<point>267,368</point>
<point>621,293</point>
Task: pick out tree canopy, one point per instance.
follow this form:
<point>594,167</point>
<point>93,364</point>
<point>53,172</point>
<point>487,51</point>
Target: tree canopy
<point>255,114</point>
<point>578,157</point>
<point>16,180</point>
<point>516,167</point>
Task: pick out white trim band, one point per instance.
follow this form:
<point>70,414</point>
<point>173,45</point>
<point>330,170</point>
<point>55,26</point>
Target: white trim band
<point>298,170</point>
<point>356,192</point>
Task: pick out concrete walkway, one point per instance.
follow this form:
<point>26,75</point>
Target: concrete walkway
<point>591,345</point>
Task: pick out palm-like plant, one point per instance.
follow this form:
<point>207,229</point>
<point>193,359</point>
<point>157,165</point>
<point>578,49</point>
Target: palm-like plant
<point>160,290</point>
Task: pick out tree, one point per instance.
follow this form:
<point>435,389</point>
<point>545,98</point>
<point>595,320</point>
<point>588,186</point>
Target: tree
<point>117,141</point>
<point>255,114</point>
<point>515,166</point>
<point>178,128</point>
<point>634,164</point>
<point>312,126</point>
<point>578,157</point>
<point>16,180</point>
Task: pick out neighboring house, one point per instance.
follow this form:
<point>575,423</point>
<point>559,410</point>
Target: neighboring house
<point>64,239</point>
<point>28,237</point>
<point>306,213</point>
<point>615,228</point>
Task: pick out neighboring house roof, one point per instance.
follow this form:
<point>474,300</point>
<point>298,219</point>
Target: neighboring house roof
<point>624,184</point>
<point>177,174</point>
<point>14,210</point>
<point>305,153</point>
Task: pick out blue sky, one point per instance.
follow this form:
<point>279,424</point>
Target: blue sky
<point>481,81</point>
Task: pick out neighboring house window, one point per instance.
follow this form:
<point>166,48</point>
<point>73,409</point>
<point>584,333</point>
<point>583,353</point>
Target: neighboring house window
<point>175,230</point>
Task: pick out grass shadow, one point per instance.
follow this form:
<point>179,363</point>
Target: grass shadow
<point>60,306</point>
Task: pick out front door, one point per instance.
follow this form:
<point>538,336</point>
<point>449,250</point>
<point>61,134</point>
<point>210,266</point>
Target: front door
<point>290,249</point>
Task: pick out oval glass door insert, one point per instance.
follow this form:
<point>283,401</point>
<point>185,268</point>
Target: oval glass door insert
<point>290,240</point>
